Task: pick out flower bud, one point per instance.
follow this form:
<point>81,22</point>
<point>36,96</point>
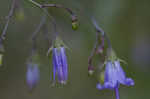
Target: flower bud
<point>32,75</point>
<point>90,70</point>
<point>74,22</point>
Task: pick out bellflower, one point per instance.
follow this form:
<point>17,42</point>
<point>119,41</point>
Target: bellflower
<point>60,66</point>
<point>113,77</point>
<point>32,75</point>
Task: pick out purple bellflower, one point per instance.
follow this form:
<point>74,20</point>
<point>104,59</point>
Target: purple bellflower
<point>60,66</point>
<point>113,77</point>
<point>32,75</point>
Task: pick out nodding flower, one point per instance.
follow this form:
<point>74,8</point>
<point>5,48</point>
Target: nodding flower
<point>113,77</point>
<point>112,74</point>
<point>32,75</point>
<point>60,65</point>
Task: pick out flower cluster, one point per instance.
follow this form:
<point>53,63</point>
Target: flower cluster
<point>111,74</point>
<point>59,59</point>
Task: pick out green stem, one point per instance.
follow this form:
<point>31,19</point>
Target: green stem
<point>40,6</point>
<point>35,3</point>
<point>47,13</point>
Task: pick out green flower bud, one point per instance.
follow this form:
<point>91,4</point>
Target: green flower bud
<point>1,53</point>
<point>74,22</point>
<point>90,70</point>
<point>101,77</point>
<point>75,25</point>
<point>1,59</point>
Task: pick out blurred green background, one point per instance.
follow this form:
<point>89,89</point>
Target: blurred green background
<point>127,23</point>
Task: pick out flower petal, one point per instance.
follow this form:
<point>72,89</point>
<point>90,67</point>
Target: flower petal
<point>32,75</point>
<point>109,85</point>
<point>120,73</point>
<point>129,82</point>
<point>54,63</point>
<point>36,73</point>
<point>64,63</point>
<point>110,74</point>
<point>29,77</point>
<point>99,86</point>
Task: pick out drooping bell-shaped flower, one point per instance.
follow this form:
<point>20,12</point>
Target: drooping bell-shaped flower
<point>114,76</point>
<point>111,73</point>
<point>59,60</point>
<point>32,75</point>
<point>60,66</point>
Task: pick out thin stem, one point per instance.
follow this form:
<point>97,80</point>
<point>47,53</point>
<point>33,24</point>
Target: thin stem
<point>53,22</point>
<point>73,16</point>
<point>42,22</point>
<point>117,93</point>
<point>50,17</point>
<point>108,41</point>
<point>40,6</point>
<point>47,13</point>
<point>93,51</point>
<point>45,32</point>
<point>104,34</point>
<point>34,35</point>
<point>35,3</point>
<point>8,19</point>
<point>59,6</point>
<point>98,29</point>
<point>94,48</point>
